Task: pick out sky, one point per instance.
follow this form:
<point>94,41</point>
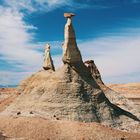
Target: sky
<point>107,31</point>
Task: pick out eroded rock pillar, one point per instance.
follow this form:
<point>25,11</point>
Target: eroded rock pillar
<point>48,62</point>
<point>71,53</point>
<point>94,70</point>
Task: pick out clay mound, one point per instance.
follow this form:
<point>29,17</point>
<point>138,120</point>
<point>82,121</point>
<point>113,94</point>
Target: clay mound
<point>67,95</point>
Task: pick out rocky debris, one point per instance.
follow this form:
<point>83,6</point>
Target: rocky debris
<point>94,70</point>
<point>71,53</point>
<point>48,62</point>
<point>69,93</point>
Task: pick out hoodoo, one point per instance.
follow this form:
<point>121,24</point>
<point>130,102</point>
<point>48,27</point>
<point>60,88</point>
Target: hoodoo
<point>70,93</point>
<point>48,62</point>
<point>71,53</point>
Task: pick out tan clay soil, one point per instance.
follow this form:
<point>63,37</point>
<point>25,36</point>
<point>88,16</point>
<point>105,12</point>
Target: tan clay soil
<point>41,129</point>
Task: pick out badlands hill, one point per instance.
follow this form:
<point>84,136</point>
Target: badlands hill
<point>29,128</point>
<point>65,103</point>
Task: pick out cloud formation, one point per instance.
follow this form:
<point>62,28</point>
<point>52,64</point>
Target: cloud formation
<point>43,5</point>
<point>15,40</point>
<point>116,57</point>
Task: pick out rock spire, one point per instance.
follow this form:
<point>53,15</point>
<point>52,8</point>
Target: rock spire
<point>71,53</point>
<point>94,71</point>
<point>48,62</point>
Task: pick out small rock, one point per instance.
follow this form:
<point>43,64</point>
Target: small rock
<point>18,113</point>
<point>31,112</point>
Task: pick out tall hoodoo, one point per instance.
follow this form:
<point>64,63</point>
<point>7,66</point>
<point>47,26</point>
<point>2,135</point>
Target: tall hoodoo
<point>48,62</point>
<point>71,53</point>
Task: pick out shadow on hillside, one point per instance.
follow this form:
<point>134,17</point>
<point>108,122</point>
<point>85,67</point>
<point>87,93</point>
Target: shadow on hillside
<point>82,70</point>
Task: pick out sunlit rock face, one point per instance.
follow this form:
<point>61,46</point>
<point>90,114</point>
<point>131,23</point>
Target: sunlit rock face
<point>71,53</point>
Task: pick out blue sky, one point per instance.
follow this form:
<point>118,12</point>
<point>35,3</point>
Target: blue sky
<point>107,31</point>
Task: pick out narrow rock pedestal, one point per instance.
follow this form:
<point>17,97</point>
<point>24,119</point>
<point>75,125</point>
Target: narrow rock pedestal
<point>71,53</point>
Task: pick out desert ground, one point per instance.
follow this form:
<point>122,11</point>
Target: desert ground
<point>37,128</point>
<point>130,91</point>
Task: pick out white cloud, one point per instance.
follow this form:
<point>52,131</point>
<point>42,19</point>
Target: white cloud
<point>116,57</point>
<point>49,5</point>
<point>15,40</point>
<point>20,4</point>
<point>43,5</point>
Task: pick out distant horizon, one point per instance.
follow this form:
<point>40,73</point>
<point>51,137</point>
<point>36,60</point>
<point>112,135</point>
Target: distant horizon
<point>8,86</point>
<point>107,32</point>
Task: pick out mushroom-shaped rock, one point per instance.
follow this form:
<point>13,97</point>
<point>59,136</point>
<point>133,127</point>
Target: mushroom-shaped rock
<point>48,62</point>
<point>71,53</point>
<point>94,70</point>
<point>69,15</point>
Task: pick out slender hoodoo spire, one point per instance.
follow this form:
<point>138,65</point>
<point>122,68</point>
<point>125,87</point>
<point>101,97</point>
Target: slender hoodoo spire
<point>71,53</point>
<point>48,62</point>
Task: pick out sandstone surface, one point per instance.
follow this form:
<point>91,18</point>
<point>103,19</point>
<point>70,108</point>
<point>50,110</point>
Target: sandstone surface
<point>48,62</point>
<point>71,53</point>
